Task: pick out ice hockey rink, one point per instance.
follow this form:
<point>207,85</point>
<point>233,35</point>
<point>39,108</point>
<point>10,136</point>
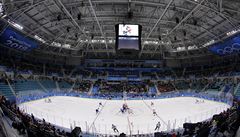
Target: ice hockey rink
<point>69,112</point>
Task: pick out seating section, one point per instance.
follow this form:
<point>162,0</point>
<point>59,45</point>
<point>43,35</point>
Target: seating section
<point>22,87</point>
<point>49,84</point>
<point>182,85</point>
<point>164,86</point>
<point>198,85</point>
<point>64,85</point>
<point>82,86</point>
<point>5,90</point>
<point>26,85</point>
<point>215,86</point>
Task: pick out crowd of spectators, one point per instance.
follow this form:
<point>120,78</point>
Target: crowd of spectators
<point>135,87</point>
<point>17,65</point>
<point>197,84</point>
<point>129,87</point>
<point>82,85</point>
<point>165,86</point>
<point>224,124</point>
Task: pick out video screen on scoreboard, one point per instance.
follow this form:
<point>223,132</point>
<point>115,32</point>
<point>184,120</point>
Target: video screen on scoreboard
<point>128,30</point>
<point>128,37</point>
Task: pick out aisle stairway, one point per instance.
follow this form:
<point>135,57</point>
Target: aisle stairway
<point>95,89</point>
<point>152,90</point>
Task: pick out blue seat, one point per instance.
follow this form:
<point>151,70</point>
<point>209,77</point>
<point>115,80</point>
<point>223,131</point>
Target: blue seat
<point>49,84</point>
<point>21,86</point>
<point>6,91</point>
<point>64,85</point>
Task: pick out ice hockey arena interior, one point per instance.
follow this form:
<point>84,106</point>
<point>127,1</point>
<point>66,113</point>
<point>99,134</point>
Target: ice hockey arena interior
<point>120,68</point>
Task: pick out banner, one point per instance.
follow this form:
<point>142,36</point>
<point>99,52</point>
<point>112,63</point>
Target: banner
<point>13,39</point>
<point>228,47</point>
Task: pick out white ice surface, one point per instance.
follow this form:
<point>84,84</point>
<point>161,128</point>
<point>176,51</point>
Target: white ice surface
<point>68,112</point>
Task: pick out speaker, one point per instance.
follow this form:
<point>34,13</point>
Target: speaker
<point>76,132</point>
<point>130,15</point>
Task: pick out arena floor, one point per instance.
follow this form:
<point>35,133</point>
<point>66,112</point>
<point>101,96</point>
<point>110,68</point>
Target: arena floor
<point>74,111</point>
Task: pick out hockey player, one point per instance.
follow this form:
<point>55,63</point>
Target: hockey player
<point>152,104</point>
<point>197,101</point>
<point>100,104</point>
<point>97,110</point>
<point>49,100</point>
<point>154,112</point>
<point>124,108</point>
<point>158,126</point>
<point>114,128</point>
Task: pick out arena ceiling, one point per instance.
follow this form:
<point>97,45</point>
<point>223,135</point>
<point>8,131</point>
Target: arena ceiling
<point>86,27</point>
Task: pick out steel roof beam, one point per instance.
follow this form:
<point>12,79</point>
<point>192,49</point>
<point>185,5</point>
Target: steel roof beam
<point>38,25</point>
<point>145,3</point>
<point>99,26</point>
<point>218,12</point>
<point>185,18</point>
<point>70,16</point>
<point>160,18</point>
<point>20,14</point>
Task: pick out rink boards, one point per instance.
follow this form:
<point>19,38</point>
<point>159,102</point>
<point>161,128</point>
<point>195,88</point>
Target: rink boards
<point>68,112</point>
